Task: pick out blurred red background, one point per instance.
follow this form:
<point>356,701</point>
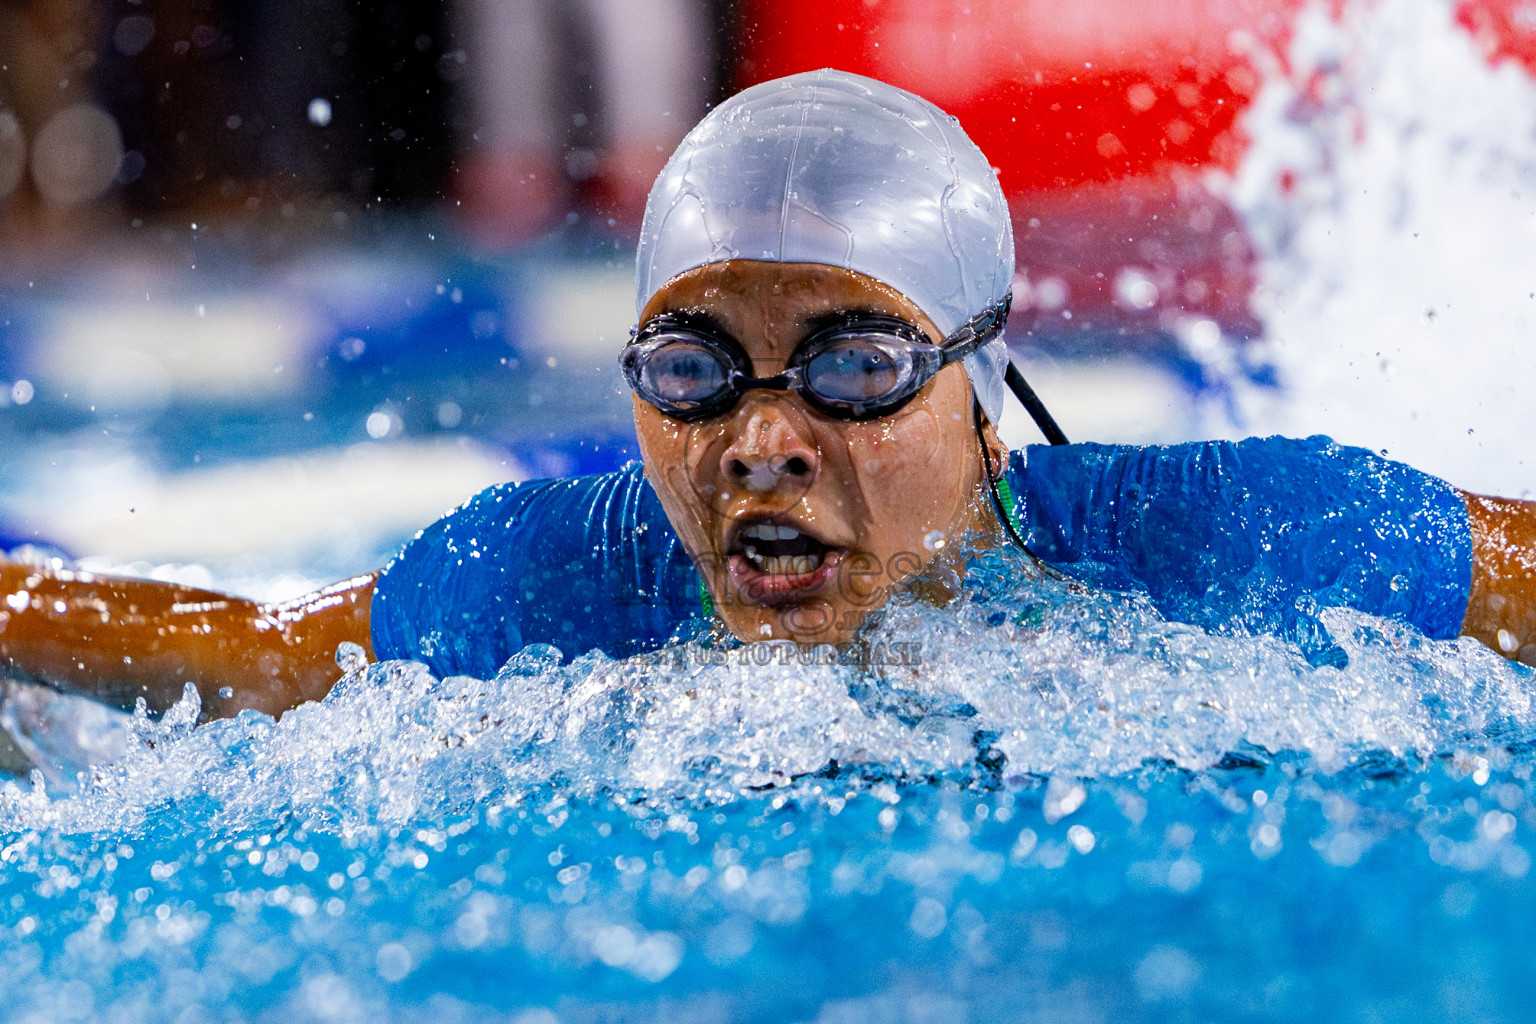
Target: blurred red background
<point>1102,118</point>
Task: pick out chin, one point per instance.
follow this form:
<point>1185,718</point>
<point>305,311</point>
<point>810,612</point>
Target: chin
<point>808,625</point>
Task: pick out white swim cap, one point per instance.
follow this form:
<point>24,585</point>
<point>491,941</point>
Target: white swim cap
<point>831,167</point>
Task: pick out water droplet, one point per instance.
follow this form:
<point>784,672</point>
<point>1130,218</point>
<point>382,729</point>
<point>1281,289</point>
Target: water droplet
<point>351,657</point>
<point>319,111</point>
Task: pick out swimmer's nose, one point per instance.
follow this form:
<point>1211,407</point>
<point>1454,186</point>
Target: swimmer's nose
<point>770,450</point>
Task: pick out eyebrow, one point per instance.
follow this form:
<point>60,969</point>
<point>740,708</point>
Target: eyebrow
<point>835,317</point>
<point>692,317</point>
<point>695,317</point>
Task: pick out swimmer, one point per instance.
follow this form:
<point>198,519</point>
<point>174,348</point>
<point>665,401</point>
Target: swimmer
<point>818,372</point>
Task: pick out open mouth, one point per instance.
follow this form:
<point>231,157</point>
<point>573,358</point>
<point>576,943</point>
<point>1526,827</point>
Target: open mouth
<point>782,550</point>
<point>773,563</point>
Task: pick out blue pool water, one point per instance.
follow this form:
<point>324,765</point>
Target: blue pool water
<point>1071,811</point>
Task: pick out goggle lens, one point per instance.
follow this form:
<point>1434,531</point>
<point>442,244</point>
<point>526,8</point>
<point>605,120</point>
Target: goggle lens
<point>684,373</point>
<point>859,370</point>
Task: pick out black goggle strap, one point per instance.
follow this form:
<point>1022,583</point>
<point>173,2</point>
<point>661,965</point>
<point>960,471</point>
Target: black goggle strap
<point>985,326</point>
<point>1032,404</point>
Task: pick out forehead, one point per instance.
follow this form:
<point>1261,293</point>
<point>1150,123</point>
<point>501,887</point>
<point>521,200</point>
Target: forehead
<point>779,293</point>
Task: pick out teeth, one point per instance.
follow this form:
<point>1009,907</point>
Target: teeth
<point>778,565</point>
<point>781,565</point>
<point>767,531</point>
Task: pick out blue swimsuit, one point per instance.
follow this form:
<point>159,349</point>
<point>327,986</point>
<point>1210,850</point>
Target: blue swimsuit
<point>1237,536</point>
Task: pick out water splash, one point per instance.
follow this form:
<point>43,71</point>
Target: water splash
<point>1036,678</point>
<point>1391,192</point>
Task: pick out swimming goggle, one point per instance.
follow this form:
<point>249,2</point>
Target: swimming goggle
<point>858,367</point>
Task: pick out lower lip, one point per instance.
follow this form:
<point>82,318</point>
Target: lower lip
<point>772,589</point>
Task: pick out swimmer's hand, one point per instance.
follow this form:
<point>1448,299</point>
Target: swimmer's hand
<point>120,639</point>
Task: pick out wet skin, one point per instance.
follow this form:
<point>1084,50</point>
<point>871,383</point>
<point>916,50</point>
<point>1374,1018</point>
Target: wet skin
<point>879,504</point>
<point>121,639</point>
<point>1502,609</point>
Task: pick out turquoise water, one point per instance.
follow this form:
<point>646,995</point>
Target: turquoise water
<point>1070,810</point>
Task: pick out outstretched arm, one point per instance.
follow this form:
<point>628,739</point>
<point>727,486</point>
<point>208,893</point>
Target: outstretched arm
<point>120,639</point>
<point>1502,609</point>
